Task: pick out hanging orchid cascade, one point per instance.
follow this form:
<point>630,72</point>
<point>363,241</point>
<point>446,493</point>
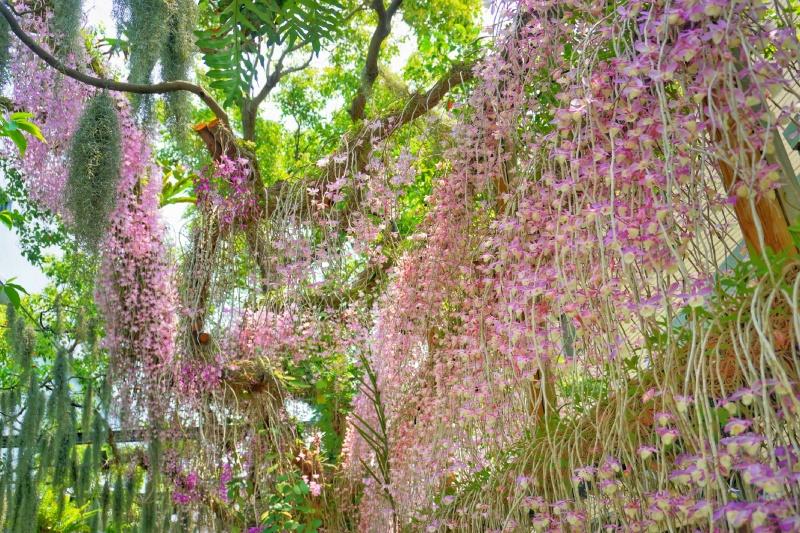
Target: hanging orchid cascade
<point>135,289</point>
<point>611,217</point>
<point>227,190</point>
<point>56,102</point>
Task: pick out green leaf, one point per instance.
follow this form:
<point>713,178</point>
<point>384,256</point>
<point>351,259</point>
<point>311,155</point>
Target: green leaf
<point>219,62</point>
<point>7,219</point>
<point>21,115</point>
<point>18,138</point>
<point>178,200</point>
<point>209,42</point>
<point>238,28</point>
<point>32,129</point>
<point>12,291</point>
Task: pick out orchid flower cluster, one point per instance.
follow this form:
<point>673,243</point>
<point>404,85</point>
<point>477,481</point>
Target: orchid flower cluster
<point>57,103</point>
<point>135,290</point>
<point>271,335</point>
<point>227,190</point>
<point>186,483</point>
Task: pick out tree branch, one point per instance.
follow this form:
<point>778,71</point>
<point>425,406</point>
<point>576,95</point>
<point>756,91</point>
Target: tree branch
<point>278,72</point>
<point>421,103</point>
<point>111,85</point>
<point>275,77</point>
<point>416,106</point>
<point>370,72</point>
<point>356,147</point>
<point>250,107</point>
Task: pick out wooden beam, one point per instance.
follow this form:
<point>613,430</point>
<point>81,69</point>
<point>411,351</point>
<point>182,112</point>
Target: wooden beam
<point>767,213</point>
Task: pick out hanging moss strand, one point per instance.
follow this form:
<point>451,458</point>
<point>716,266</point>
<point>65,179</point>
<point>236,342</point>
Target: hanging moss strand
<point>176,64</point>
<point>26,500</point>
<point>146,24</point>
<point>5,52</point>
<point>94,170</point>
<point>66,25</point>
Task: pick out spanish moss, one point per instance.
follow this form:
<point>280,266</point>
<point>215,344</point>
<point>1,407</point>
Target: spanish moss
<point>5,52</point>
<point>66,25</point>
<point>94,170</point>
<point>26,499</point>
<point>176,64</point>
<point>146,25</point>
